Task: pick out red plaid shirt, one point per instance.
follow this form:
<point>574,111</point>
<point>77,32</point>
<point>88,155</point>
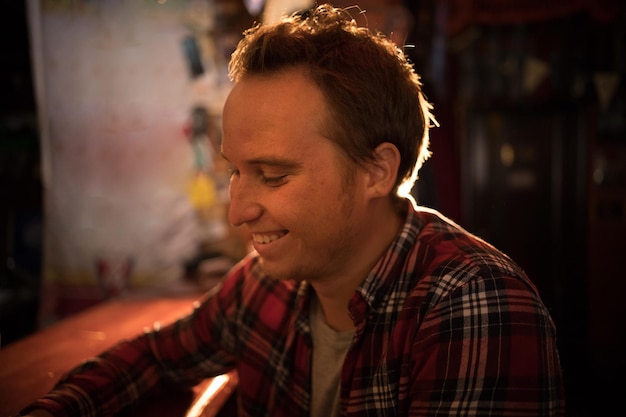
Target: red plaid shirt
<point>445,325</point>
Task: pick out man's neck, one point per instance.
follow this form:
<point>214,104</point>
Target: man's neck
<point>335,294</point>
<point>335,311</point>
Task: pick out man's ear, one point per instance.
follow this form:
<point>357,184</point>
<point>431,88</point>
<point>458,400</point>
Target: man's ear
<point>383,170</point>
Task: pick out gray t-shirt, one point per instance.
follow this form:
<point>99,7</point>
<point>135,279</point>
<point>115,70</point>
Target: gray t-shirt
<point>329,351</point>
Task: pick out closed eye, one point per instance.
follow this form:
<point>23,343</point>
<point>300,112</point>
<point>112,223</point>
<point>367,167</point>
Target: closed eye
<point>274,181</point>
<point>280,169</point>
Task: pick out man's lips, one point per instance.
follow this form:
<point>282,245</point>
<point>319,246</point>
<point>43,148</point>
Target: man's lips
<point>264,238</point>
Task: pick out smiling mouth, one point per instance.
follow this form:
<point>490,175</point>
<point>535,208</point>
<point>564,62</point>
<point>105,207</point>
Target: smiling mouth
<point>267,238</point>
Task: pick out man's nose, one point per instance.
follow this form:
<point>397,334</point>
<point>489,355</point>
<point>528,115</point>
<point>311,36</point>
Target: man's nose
<point>244,205</point>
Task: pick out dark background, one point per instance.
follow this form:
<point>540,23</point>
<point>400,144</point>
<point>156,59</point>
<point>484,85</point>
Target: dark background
<point>539,172</point>
<point>21,199</point>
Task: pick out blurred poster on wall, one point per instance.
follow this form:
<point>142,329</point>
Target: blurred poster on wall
<point>114,95</point>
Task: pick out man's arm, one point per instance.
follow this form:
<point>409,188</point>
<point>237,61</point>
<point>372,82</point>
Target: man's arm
<point>38,413</point>
<point>487,349</point>
<point>115,380</point>
<point>196,347</point>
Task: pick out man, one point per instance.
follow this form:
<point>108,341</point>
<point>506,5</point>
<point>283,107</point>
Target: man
<point>355,301</point>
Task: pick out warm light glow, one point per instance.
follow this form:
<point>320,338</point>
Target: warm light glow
<point>210,392</point>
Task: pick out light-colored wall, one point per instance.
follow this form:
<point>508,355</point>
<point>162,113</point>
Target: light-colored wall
<point>114,95</point>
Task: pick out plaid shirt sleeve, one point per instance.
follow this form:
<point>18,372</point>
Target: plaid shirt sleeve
<point>184,352</point>
<point>239,325</point>
<point>485,347</point>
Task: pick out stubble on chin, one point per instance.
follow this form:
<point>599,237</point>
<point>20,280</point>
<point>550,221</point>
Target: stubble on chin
<point>271,273</point>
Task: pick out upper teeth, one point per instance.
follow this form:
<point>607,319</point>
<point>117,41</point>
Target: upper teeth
<point>266,238</point>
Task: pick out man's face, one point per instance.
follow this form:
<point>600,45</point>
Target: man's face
<point>290,186</point>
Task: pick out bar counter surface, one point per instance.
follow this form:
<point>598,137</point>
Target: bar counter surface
<point>30,367</point>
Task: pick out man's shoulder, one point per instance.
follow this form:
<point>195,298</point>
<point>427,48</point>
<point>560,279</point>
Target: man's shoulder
<point>445,248</point>
<point>448,238</point>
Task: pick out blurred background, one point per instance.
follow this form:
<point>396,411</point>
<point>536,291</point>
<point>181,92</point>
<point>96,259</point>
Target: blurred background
<point>110,180</point>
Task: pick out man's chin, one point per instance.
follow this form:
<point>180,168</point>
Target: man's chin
<point>275,271</point>
<point>269,269</point>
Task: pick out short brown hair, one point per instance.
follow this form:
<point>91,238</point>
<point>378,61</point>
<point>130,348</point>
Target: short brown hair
<point>374,94</point>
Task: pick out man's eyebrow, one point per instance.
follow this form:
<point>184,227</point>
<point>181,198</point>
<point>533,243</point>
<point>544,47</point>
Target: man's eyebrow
<point>272,161</point>
<point>275,162</point>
